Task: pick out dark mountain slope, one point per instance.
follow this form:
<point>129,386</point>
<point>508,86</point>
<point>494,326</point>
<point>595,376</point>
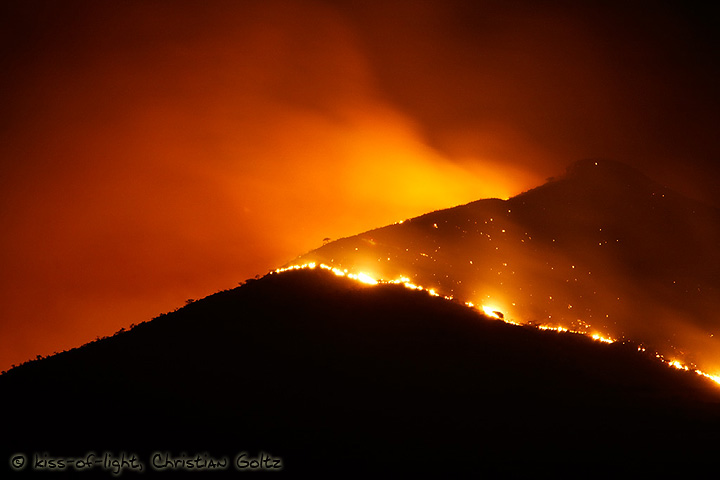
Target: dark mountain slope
<point>333,376</point>
<point>600,249</point>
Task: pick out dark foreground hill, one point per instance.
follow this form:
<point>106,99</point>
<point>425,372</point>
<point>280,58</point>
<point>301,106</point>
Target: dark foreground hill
<point>336,378</point>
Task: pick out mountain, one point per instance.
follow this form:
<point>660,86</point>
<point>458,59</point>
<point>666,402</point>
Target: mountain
<point>330,376</point>
<point>601,249</point>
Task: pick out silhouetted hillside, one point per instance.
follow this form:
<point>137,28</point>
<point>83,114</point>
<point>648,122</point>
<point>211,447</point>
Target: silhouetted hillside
<point>337,378</point>
<point>602,248</point>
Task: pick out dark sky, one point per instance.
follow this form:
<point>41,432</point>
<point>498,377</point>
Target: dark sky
<point>537,86</point>
<point>162,150</point>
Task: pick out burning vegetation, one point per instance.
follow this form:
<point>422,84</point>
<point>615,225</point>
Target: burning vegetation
<point>602,251</point>
<point>489,311</point>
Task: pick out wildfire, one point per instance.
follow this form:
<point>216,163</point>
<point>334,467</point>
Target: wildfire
<point>714,378</point>
<point>595,336</point>
<point>364,278</point>
<point>488,310</point>
<point>678,365</point>
<point>682,366</point>
<point>600,338</point>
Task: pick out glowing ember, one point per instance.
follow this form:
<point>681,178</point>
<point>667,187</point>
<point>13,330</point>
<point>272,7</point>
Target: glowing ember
<point>554,329</point>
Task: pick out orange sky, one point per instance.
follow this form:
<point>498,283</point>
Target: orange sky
<point>158,151</point>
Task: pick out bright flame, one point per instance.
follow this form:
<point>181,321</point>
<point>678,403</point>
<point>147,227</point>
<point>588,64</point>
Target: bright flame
<point>600,338</point>
<point>714,378</point>
<point>678,365</point>
<point>365,278</point>
<point>493,312</point>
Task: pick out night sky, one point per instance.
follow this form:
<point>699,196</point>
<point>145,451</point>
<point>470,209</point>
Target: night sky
<point>156,151</point>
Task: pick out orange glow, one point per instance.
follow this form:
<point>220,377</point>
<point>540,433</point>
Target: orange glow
<point>169,171</point>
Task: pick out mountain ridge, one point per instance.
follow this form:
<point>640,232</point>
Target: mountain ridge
<point>327,374</point>
<point>330,374</point>
<point>602,245</point>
